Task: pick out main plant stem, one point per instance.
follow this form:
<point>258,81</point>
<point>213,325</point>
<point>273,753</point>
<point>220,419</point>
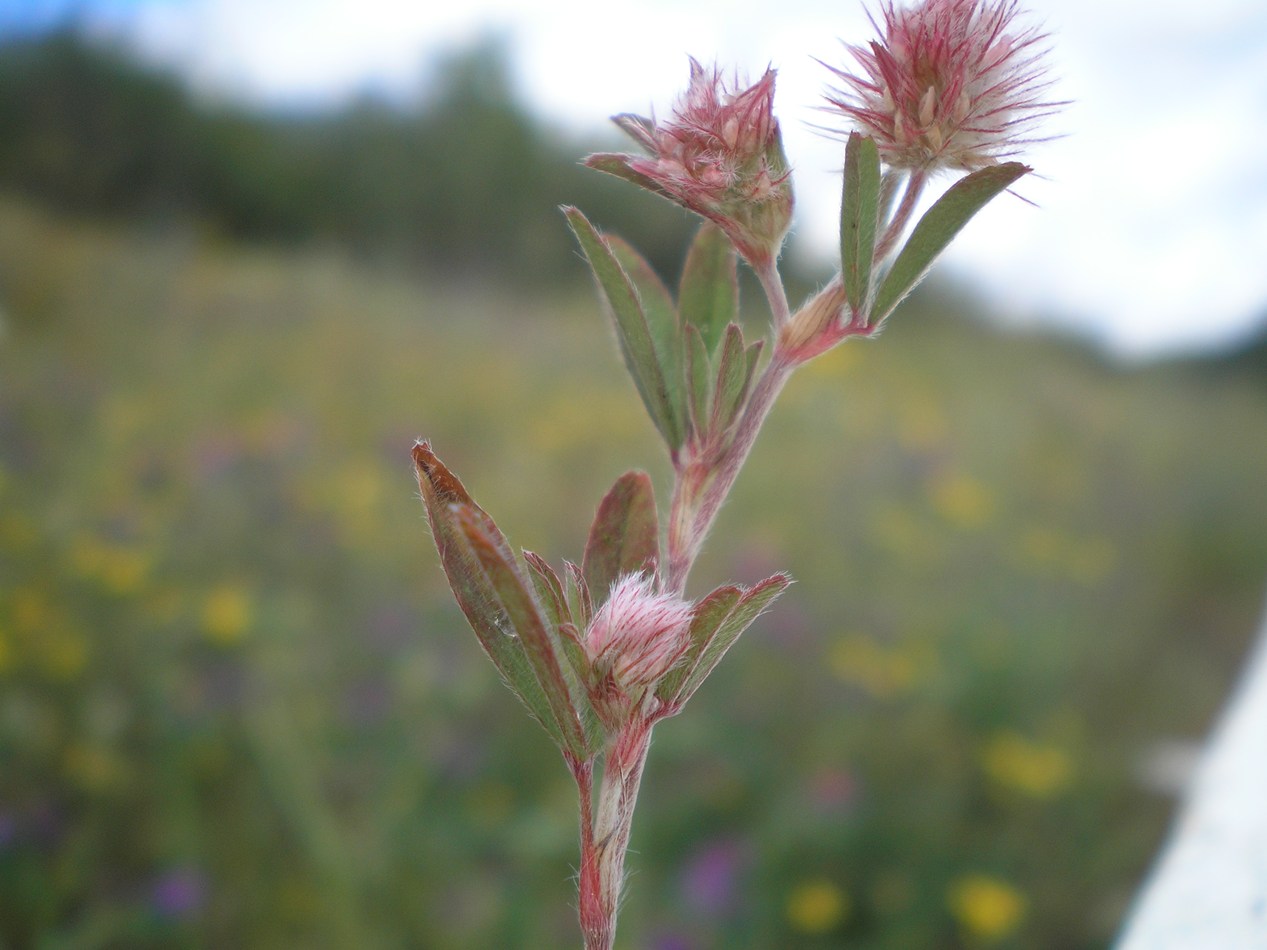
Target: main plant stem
<point>701,486</point>
<point>703,483</point>
<point>605,835</point>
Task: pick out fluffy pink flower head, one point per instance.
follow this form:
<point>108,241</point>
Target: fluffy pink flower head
<point>720,155</point>
<point>951,84</point>
<point>638,634</point>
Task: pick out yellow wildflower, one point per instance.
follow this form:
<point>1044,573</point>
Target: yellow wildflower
<point>962,500</point>
<point>988,908</point>
<point>226,614</point>
<point>816,907</point>
<point>1013,761</point>
<point>882,672</point>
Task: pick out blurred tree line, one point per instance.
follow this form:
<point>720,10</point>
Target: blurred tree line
<point>463,181</point>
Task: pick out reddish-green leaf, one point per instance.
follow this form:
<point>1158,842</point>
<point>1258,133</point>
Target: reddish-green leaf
<point>444,498</point>
<point>709,614</point>
<point>614,163</point>
<point>553,600</point>
<point>625,535</point>
<point>549,589</point>
<point>580,601</point>
<point>568,699</point>
<point>745,610</point>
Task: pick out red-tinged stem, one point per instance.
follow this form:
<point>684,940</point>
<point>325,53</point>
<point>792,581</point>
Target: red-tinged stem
<point>702,485</point>
<point>597,929</point>
<point>703,482</point>
<point>768,273</point>
<point>901,217</point>
<point>605,835</point>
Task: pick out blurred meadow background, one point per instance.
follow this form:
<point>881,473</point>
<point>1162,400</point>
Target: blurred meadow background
<point>239,709</point>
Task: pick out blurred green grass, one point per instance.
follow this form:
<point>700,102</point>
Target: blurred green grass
<point>237,707</point>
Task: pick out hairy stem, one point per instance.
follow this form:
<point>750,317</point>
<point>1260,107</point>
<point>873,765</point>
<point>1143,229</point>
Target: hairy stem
<point>775,295</point>
<point>605,835</point>
<point>700,488</point>
<point>702,485</point>
<point>902,216</point>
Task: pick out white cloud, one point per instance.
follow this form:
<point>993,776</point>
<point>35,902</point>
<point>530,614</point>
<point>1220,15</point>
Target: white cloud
<point>1153,217</point>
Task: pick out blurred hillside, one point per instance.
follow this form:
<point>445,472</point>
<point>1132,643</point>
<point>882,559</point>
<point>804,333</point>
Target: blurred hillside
<point>461,182</point>
<point>238,707</point>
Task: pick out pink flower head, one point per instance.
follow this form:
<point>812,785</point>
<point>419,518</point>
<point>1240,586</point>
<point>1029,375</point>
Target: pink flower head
<point>951,84</point>
<point>638,634</point>
<point>720,155</point>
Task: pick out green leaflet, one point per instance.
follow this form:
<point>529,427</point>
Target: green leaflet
<point>699,379</point>
<point>733,374</point>
<point>662,320</point>
<point>633,331</point>
<point>553,599</point>
<point>936,229</point>
<point>708,297</point>
<point>708,616</point>
<point>719,620</point>
<point>746,609</point>
<point>859,217</point>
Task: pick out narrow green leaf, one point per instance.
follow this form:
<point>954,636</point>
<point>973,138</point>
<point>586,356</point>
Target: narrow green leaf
<point>752,357</point>
<point>936,229</point>
<point>662,321</point>
<point>732,377</point>
<point>553,600</point>
<point>444,497</point>
<point>569,702</point>
<point>632,329</point>
<point>625,535</point>
<point>859,217</point>
<point>574,650</point>
<point>699,375</point>
<point>749,606</point>
<point>709,614</point>
<point>708,296</point>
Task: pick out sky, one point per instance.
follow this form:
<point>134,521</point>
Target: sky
<point>1148,225</point>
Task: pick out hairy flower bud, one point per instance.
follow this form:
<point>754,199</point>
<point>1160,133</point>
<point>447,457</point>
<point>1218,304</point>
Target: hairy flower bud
<point>951,84</point>
<point>638,634</point>
<point>720,155</point>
